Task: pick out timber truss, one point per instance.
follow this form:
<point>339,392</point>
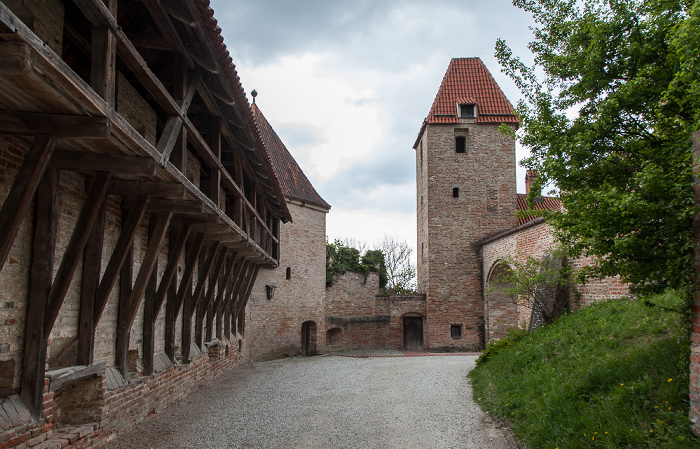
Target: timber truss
<point>225,226</point>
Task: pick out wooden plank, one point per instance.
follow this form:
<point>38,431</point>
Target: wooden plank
<point>59,126</point>
<point>149,261</point>
<point>12,413</point>
<point>162,20</point>
<point>148,189</point>
<point>24,414</point>
<point>16,58</point>
<point>41,274</point>
<point>5,422</point>
<point>174,253</point>
<point>23,188</point>
<point>115,164</point>
<point>151,42</point>
<point>103,63</point>
<point>71,257</point>
<point>168,138</point>
<point>83,372</point>
<point>119,255</point>
<point>176,206</point>
<point>92,264</point>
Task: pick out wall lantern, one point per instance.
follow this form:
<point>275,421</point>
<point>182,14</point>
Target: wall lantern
<point>270,290</point>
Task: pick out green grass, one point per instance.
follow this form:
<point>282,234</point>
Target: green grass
<point>613,375</point>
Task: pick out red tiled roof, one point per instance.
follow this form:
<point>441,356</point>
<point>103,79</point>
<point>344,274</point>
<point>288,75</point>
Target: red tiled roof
<point>468,81</point>
<point>547,203</point>
<point>295,184</point>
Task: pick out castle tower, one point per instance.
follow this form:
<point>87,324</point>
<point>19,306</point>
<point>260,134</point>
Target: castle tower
<point>465,178</point>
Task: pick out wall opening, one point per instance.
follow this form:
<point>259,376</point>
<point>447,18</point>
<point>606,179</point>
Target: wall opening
<point>501,309</point>
<point>413,333</point>
<point>334,337</point>
<point>455,192</point>
<point>308,338</point>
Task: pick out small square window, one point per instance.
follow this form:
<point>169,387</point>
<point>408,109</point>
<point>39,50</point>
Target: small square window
<point>467,110</point>
<point>456,330</point>
<point>288,274</point>
<point>455,192</point>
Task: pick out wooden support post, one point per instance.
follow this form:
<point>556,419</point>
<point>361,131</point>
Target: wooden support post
<point>170,320</point>
<point>121,359</point>
<point>92,265</point>
<point>119,255</point>
<point>35,341</point>
<point>25,184</point>
<point>177,243</point>
<point>232,298</point>
<point>208,303</point>
<point>244,301</point>
<point>184,295</point>
<point>214,141</point>
<point>224,284</point>
<point>102,69</point>
<point>204,272</point>
<point>186,326</point>
<point>76,245</point>
<point>149,321</point>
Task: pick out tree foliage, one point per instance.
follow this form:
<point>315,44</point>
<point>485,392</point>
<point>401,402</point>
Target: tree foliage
<point>608,113</point>
<point>341,258</point>
<point>400,271</point>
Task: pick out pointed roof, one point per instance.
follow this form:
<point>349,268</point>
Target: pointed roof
<point>541,203</point>
<point>468,81</point>
<point>295,184</point>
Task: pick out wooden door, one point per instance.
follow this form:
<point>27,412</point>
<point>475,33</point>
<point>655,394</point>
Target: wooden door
<point>413,333</point>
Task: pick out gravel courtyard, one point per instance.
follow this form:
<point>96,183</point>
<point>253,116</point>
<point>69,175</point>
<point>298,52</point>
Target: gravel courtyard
<point>329,402</point>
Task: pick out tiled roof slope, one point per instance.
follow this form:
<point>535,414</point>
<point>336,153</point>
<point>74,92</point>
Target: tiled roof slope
<point>295,184</point>
<point>467,80</point>
<point>547,203</point>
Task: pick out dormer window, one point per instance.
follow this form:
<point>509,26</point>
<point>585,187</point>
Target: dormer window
<point>467,111</point>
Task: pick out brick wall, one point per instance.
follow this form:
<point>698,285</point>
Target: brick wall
<point>359,316</point>
<point>535,240</point>
<point>449,262</point>
<point>44,18</point>
<point>275,325</point>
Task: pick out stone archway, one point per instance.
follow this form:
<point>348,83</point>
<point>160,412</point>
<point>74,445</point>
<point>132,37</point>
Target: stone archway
<point>500,308</point>
<point>308,338</point>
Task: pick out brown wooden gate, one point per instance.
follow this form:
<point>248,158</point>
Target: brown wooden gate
<point>413,333</point>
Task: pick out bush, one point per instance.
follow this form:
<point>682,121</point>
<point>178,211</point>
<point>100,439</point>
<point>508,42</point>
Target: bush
<point>492,349</point>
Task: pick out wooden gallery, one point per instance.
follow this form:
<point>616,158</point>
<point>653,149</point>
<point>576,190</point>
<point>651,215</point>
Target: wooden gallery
<point>138,205</point>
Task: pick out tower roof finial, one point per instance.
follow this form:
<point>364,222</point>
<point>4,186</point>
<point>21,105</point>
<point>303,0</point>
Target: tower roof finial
<point>254,93</point>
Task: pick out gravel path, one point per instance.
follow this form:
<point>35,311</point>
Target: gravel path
<point>329,402</point>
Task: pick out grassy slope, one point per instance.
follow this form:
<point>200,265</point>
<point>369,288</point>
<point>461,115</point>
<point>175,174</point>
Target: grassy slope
<point>612,375</point>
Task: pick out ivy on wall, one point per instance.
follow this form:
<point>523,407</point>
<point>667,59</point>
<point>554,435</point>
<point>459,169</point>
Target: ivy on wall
<point>341,258</point>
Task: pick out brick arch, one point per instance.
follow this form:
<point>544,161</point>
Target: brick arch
<point>500,308</point>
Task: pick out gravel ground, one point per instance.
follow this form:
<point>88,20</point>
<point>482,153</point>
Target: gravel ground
<point>350,401</point>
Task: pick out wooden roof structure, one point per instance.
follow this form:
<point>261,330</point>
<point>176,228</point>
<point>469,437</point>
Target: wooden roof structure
<point>60,98</point>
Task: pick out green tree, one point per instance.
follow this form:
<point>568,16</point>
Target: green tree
<point>341,258</point>
<point>608,117</point>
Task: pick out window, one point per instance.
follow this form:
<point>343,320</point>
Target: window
<point>456,330</point>
<point>460,144</point>
<point>288,275</point>
<point>467,110</point>
<point>455,192</point>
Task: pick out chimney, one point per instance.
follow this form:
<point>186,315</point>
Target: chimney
<point>530,178</point>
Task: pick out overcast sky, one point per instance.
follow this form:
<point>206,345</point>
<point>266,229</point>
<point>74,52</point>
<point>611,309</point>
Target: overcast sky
<point>346,85</point>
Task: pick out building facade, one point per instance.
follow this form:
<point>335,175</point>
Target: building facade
<point>465,176</point>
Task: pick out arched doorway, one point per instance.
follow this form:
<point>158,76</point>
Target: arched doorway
<point>308,338</point>
<point>501,309</point>
<point>413,332</point>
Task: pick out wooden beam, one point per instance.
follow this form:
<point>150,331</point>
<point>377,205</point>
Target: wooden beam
<point>232,296</point>
<point>71,257</point>
<point>103,63</point>
<point>115,164</point>
<point>149,261</point>
<point>180,14</point>
<point>168,139</point>
<point>224,284</point>
<point>148,189</point>
<point>150,42</point>
<point>130,225</point>
<point>25,184</point>
<point>166,27</point>
<point>199,290</point>
<point>149,320</point>
<point>92,263</point>
<point>170,317</point>
<point>244,303</point>
<point>121,359</point>
<point>176,206</point>
<point>59,126</point>
<point>16,58</point>
<point>213,280</point>
<point>191,260</point>
<point>41,273</point>
<point>176,247</point>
